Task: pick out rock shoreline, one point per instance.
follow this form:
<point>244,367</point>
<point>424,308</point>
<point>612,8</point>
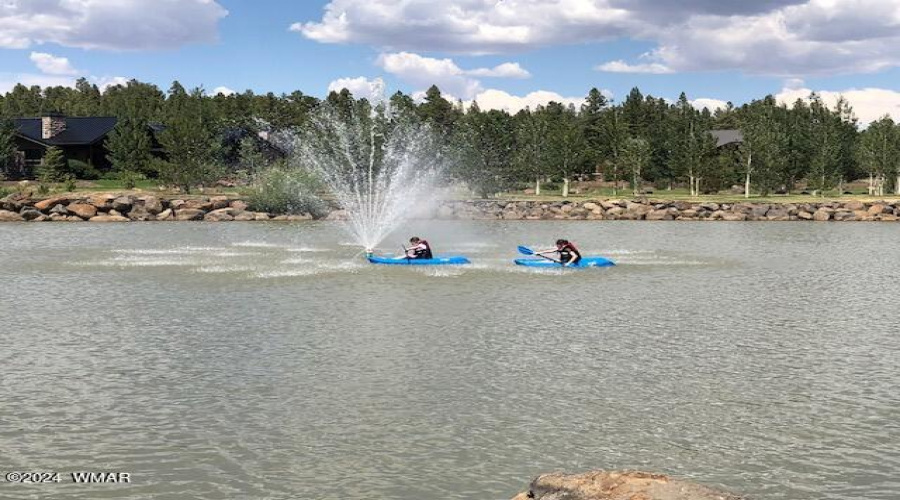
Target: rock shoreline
<point>131,207</point>
<point>626,485</point>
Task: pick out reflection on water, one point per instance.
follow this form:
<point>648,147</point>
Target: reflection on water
<point>269,361</point>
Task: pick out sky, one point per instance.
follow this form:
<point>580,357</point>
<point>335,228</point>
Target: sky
<point>504,54</point>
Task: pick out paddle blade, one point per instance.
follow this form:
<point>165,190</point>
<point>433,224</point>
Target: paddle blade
<point>526,251</point>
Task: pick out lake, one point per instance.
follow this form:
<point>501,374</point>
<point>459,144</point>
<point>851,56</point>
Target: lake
<point>269,361</point>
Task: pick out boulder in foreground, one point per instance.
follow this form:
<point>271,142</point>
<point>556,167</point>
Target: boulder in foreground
<point>628,485</point>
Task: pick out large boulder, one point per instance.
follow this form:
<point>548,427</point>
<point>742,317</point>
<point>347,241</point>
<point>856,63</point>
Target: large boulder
<point>102,201</point>
<point>199,204</point>
<point>628,485</point>
<point>189,214</point>
<point>31,214</point>
<point>734,217</point>
<point>240,205</point>
<point>139,212</point>
<point>167,214</point>
<point>878,209</point>
<point>59,209</point>
<point>822,215</point>
<point>778,213</point>
<point>662,214</point>
<point>152,204</point>
<point>220,215</point>
<point>44,205</point>
<point>244,216</point>
<point>854,205</point>
<point>9,216</point>
<point>122,204</point>
<point>83,210</point>
<point>219,202</point>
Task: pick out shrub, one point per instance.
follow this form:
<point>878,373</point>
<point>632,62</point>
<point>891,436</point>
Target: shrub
<point>82,170</point>
<point>284,190</point>
<point>69,184</point>
<point>129,179</point>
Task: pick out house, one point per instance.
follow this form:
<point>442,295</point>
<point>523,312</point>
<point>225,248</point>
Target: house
<point>725,137</point>
<point>79,138</point>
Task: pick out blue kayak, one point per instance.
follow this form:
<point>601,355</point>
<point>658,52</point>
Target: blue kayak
<point>403,261</point>
<point>584,262</point>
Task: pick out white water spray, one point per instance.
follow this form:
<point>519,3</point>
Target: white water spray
<point>380,167</point>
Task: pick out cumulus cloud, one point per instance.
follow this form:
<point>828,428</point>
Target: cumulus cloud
<point>869,104</point>
<point>223,90</point>
<point>775,37</point>
<point>505,70</point>
<point>710,104</point>
<point>498,99</point>
<point>111,25</point>
<point>52,65</point>
<point>361,87</point>
<point>424,71</point>
<point>623,67</point>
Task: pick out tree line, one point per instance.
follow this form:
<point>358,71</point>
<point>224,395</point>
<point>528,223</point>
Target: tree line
<point>187,138</point>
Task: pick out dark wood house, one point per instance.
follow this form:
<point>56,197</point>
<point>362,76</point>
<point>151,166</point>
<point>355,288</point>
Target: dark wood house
<point>79,138</point>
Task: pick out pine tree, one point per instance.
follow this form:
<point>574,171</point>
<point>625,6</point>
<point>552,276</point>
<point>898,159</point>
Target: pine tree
<point>635,157</point>
<point>129,147</point>
<point>191,152</point>
<point>7,147</point>
<point>53,166</point>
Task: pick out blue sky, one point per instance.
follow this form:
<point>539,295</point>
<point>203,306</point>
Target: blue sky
<point>503,53</point>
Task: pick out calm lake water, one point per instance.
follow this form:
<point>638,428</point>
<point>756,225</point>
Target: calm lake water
<point>268,361</point>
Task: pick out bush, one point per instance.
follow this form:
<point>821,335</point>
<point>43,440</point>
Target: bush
<point>129,179</point>
<point>283,190</point>
<point>82,170</point>
<point>69,184</point>
<point>6,191</point>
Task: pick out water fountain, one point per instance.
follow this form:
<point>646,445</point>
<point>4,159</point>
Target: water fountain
<point>380,165</point>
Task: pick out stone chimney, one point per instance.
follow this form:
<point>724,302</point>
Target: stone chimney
<point>52,124</point>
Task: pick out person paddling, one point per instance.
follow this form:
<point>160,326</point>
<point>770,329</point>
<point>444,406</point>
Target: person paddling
<point>419,249</point>
<point>568,254</point>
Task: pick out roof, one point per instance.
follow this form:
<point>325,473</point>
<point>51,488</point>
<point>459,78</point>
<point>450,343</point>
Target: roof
<point>727,136</point>
<point>79,131</point>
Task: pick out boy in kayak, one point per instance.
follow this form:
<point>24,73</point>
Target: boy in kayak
<point>419,249</point>
<point>568,254</point>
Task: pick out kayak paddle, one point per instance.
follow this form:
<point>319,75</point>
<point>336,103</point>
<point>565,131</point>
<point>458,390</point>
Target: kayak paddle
<point>527,251</point>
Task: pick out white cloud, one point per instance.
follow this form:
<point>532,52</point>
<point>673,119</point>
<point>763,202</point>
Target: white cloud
<point>869,104</point>
<point>109,24</point>
<point>423,72</point>
<point>104,82</point>
<point>498,99</point>
<point>710,104</point>
<point>505,70</point>
<point>52,65</point>
<point>623,67</point>
<point>361,87</point>
<point>775,37</point>
<point>222,90</point>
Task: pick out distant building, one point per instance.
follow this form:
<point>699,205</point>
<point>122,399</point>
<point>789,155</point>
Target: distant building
<point>726,137</point>
<point>80,138</point>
